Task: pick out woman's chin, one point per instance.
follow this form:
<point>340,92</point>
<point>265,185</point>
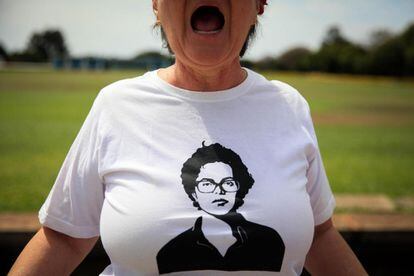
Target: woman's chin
<point>216,212</point>
<point>207,58</point>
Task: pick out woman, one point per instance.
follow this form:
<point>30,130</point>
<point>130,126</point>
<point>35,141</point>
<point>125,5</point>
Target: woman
<point>216,180</point>
<point>119,178</point>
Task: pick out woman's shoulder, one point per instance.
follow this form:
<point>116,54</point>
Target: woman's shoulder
<point>283,96</point>
<point>285,92</point>
<point>127,85</point>
<point>124,92</point>
<point>118,96</point>
<point>276,86</point>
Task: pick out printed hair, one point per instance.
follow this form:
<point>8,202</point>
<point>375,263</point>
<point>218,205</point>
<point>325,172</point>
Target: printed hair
<point>211,154</point>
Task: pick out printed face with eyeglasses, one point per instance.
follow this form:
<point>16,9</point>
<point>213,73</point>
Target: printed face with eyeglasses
<point>216,189</point>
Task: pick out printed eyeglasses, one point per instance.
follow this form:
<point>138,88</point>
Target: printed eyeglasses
<point>207,185</point>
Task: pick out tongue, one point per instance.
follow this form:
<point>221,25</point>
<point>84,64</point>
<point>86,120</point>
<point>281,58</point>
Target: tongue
<point>207,22</point>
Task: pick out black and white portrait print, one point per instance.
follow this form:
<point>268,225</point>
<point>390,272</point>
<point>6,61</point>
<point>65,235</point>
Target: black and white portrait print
<point>217,182</point>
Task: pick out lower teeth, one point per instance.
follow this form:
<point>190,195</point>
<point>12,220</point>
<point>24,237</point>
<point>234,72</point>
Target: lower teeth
<point>207,32</point>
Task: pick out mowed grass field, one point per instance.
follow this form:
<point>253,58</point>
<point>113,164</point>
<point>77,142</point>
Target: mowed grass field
<point>365,128</point>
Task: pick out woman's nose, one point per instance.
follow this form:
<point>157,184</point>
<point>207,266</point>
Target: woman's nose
<point>219,190</point>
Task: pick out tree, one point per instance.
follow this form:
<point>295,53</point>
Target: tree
<point>267,63</point>
<point>408,35</point>
<point>407,38</point>
<point>395,56</point>
<point>379,37</point>
<point>339,55</point>
<point>3,53</point>
<point>387,59</point>
<point>47,45</point>
<point>150,54</point>
<point>334,37</point>
<point>294,59</point>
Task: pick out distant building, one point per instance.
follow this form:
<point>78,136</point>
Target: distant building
<point>148,61</point>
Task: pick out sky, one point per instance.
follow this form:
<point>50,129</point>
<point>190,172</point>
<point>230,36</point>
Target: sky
<point>123,28</point>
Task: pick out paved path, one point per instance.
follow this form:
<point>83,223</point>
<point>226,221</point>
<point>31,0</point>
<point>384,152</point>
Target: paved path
<point>374,222</point>
<point>344,222</point>
<point>369,203</point>
<point>373,203</point>
<point>19,222</point>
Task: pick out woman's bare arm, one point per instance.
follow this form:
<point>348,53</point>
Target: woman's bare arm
<point>51,253</point>
<point>330,254</point>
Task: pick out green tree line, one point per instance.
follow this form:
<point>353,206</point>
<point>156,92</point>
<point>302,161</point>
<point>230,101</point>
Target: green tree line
<point>386,54</point>
<point>41,47</point>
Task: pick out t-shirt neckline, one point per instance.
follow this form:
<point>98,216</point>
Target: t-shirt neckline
<point>202,96</point>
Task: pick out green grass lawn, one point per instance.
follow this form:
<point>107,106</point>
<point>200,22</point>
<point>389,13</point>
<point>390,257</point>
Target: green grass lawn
<point>365,128</point>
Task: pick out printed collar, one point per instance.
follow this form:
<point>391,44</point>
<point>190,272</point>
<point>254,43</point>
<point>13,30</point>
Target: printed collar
<point>235,221</point>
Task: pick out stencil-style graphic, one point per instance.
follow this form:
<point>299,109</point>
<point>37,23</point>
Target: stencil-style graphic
<point>216,180</point>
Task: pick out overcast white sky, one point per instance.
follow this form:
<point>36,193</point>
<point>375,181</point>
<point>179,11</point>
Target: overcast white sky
<point>123,28</point>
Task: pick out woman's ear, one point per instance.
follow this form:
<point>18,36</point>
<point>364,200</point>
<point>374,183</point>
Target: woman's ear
<point>155,10</point>
<point>155,7</point>
<point>260,6</point>
<point>194,195</point>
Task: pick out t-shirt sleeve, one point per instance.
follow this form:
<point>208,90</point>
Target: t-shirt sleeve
<point>74,204</point>
<point>318,188</point>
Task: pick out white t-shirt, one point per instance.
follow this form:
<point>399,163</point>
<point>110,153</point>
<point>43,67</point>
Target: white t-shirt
<point>194,183</point>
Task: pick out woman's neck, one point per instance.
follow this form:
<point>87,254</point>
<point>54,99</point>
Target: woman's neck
<point>210,79</point>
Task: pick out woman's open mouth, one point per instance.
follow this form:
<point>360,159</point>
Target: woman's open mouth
<point>207,20</point>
